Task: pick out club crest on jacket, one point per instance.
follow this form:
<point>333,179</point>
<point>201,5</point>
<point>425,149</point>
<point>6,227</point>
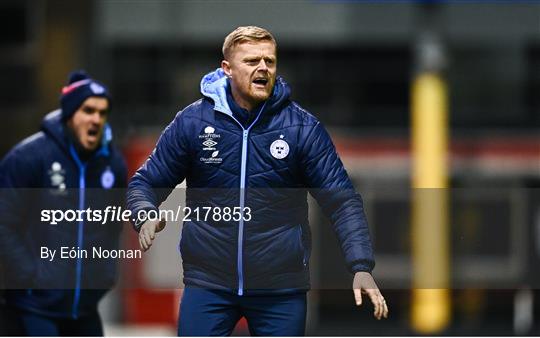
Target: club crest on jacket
<point>279,149</point>
<point>107,178</point>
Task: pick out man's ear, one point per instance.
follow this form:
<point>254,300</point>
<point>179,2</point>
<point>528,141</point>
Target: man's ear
<point>226,66</point>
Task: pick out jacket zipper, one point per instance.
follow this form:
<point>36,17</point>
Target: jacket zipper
<point>82,186</point>
<point>243,166</point>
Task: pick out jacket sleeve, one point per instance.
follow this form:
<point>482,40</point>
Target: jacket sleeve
<point>17,172</point>
<point>331,187</point>
<point>163,170</point>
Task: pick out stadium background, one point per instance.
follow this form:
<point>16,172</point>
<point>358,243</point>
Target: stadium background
<point>352,64</point>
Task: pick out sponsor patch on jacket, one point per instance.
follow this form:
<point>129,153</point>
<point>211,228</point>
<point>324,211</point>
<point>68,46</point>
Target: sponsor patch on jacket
<point>209,141</point>
<point>57,176</point>
<point>209,138</point>
<point>213,158</point>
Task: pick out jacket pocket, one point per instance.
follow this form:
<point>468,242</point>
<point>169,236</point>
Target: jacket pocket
<point>197,248</point>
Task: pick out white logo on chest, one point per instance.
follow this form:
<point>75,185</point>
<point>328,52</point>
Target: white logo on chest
<point>210,140</point>
<point>107,178</point>
<point>279,149</point>
<point>57,177</point>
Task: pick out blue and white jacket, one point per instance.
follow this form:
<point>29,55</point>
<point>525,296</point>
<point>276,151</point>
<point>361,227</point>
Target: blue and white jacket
<point>268,167</point>
<point>45,172</point>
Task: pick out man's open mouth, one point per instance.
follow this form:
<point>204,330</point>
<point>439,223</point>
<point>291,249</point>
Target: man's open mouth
<point>93,132</point>
<point>260,81</point>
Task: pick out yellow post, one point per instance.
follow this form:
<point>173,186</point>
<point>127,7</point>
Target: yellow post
<point>431,305</point>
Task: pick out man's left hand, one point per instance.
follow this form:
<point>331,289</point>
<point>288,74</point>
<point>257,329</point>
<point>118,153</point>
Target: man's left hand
<point>363,283</point>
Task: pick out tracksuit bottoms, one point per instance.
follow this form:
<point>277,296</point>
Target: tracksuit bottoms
<point>215,313</point>
<point>26,323</point>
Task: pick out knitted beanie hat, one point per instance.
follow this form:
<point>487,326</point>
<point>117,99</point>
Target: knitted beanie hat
<point>79,88</point>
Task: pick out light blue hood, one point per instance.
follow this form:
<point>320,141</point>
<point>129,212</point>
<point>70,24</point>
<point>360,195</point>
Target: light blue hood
<point>214,86</point>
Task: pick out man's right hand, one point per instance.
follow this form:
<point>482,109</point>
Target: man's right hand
<point>148,231</point>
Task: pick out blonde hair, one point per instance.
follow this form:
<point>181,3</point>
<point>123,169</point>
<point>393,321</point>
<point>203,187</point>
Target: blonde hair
<point>244,34</point>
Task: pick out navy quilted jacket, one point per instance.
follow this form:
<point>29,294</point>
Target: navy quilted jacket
<point>268,167</point>
<point>44,172</point>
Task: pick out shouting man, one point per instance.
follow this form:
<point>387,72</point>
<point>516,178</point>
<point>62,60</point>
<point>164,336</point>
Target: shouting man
<point>245,135</point>
<point>69,165</point>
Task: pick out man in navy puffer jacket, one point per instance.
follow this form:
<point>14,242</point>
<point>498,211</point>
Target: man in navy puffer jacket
<point>245,145</point>
<point>69,165</point>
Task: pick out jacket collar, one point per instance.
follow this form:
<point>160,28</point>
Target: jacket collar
<point>214,86</point>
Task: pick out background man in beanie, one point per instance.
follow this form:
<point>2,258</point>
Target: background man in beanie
<point>73,165</point>
<point>246,137</point>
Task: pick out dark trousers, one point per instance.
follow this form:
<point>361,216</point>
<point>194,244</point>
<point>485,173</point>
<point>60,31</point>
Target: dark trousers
<point>215,313</point>
<point>25,323</point>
